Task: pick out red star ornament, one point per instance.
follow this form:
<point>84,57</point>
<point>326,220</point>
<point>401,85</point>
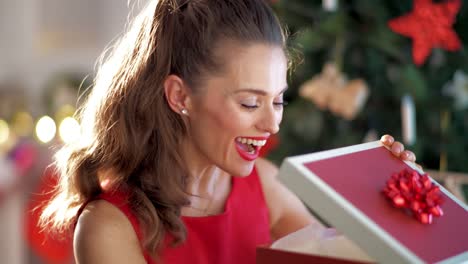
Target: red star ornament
<point>430,26</point>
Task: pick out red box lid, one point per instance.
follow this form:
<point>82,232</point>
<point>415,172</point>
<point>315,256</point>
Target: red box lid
<point>359,177</point>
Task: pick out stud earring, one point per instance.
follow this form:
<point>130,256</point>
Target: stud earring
<point>184,111</point>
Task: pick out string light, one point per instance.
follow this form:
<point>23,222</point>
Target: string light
<point>4,131</point>
<point>22,124</point>
<point>69,130</point>
<point>45,129</point>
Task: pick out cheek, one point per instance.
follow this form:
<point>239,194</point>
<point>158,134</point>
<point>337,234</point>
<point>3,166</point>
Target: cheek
<point>230,120</point>
<point>213,132</point>
<point>216,124</point>
<point>280,116</point>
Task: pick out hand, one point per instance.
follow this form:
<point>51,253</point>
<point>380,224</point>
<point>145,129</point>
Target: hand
<point>398,149</point>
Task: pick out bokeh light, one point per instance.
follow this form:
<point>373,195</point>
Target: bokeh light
<point>4,131</point>
<point>69,130</point>
<point>22,124</point>
<point>46,129</point>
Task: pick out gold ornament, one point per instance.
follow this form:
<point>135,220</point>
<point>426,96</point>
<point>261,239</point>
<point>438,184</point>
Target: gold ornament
<point>349,100</point>
<point>320,88</point>
<point>331,90</point>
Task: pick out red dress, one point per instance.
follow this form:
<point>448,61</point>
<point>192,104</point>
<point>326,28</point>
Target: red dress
<point>230,237</point>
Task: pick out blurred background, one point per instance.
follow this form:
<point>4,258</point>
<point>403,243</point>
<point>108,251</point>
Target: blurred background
<point>362,68</point>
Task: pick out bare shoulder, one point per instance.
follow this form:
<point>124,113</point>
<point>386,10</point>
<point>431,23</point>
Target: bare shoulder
<point>104,235</point>
<point>287,213</point>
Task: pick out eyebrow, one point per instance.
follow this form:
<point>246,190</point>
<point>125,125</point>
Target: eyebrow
<point>257,91</point>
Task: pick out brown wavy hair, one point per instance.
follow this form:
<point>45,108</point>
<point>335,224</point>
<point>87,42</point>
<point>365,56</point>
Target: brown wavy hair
<point>129,128</point>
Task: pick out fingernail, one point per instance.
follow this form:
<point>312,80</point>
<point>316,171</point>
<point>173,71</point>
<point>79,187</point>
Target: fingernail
<point>396,149</point>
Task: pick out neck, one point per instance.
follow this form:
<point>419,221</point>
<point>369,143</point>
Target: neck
<point>207,186</point>
<point>202,181</point>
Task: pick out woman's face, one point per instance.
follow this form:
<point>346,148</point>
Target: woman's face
<point>235,112</point>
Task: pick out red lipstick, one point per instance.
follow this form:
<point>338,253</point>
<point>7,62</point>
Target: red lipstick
<point>243,149</point>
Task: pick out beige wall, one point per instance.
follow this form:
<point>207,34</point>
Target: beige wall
<point>41,37</point>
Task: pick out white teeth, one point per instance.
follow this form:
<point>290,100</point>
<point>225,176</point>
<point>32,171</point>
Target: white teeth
<point>249,141</point>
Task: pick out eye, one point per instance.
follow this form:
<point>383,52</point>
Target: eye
<point>249,106</point>
<point>281,104</point>
<point>249,103</point>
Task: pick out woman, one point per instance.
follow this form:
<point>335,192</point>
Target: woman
<point>168,170</point>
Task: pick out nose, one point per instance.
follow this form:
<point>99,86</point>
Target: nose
<point>270,120</point>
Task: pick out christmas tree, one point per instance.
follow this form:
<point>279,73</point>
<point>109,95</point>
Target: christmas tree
<point>361,59</point>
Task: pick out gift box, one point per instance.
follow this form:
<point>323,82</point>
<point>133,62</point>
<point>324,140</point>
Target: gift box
<point>313,244</point>
<point>344,187</point>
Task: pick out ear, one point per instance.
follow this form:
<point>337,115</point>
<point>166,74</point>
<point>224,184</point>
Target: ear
<point>177,93</point>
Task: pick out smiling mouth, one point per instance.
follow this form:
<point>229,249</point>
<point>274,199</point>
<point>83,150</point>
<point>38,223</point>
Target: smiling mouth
<point>249,148</point>
<point>251,145</point>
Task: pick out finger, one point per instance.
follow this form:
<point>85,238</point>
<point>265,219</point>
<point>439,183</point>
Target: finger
<point>419,166</point>
<point>387,140</point>
<point>408,156</point>
<point>397,148</point>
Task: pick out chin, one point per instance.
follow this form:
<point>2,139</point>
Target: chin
<point>242,170</point>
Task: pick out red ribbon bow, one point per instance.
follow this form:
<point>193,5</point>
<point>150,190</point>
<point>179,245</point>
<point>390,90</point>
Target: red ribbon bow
<point>414,192</point>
